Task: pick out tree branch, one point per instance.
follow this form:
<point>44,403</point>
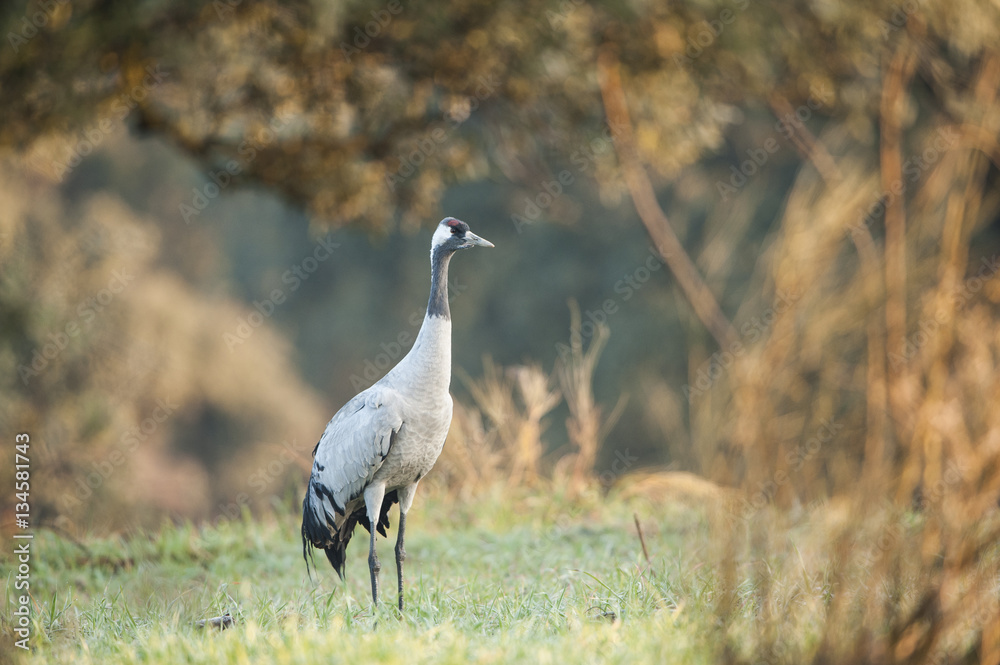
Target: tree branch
<point>644,197</point>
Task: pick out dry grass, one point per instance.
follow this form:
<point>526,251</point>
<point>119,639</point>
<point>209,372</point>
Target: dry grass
<point>500,434</point>
<point>848,458</point>
<point>586,426</point>
<point>915,554</point>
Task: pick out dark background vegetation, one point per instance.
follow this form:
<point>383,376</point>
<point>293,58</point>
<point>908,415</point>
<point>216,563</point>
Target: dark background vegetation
<point>853,353</point>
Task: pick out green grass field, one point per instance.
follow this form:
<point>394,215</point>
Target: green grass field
<point>538,580</point>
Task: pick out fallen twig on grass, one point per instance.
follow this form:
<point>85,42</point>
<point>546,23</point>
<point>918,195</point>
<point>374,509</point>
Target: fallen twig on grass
<point>222,623</point>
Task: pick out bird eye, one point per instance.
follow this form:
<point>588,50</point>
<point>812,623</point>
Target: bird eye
<point>455,230</point>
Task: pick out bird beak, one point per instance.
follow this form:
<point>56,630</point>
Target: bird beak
<point>476,240</point>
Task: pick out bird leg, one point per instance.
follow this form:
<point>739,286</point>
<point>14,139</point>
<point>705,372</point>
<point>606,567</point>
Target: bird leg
<point>374,566</point>
<point>373,506</point>
<point>400,556</point>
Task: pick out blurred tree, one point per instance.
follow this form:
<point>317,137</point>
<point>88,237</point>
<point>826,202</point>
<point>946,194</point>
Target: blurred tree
<point>117,369</point>
<point>365,115</point>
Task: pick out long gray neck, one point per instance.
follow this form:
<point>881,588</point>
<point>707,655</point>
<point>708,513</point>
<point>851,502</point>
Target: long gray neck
<point>437,305</point>
<point>428,364</point>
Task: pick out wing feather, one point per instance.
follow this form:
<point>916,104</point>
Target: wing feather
<point>355,443</point>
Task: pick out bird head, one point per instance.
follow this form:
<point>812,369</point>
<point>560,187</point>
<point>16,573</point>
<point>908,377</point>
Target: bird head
<point>454,234</point>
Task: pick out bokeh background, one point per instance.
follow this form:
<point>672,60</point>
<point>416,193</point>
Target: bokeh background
<point>744,249</point>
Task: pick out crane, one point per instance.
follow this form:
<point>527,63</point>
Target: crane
<point>379,445</point>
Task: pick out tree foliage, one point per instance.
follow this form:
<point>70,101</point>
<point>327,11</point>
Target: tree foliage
<point>366,114</point>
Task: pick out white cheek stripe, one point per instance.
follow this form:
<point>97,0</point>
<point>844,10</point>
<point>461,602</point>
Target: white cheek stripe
<point>441,235</point>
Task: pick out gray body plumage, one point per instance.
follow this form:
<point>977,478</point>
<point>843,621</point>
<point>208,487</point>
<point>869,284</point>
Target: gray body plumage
<point>391,434</point>
<point>379,445</point>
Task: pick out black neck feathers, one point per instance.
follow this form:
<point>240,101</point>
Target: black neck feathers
<point>437,305</point>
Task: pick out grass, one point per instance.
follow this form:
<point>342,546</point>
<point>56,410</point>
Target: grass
<point>528,575</point>
<point>541,579</point>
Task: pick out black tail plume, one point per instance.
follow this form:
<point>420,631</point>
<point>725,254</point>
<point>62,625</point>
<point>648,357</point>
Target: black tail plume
<point>318,529</point>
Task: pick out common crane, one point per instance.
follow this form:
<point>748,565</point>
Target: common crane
<point>376,449</point>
